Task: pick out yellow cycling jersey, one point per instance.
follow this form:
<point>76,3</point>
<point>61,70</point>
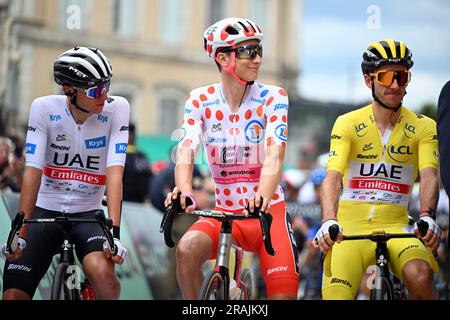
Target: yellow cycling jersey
<point>379,171</point>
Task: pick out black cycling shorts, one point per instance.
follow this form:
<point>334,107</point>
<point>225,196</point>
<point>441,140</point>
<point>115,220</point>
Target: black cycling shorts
<point>44,241</point>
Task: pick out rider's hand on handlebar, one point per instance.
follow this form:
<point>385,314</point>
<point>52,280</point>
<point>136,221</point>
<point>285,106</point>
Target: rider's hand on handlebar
<point>121,251</point>
<point>256,201</point>
<point>322,238</point>
<point>12,256</point>
<point>433,234</point>
<point>172,196</point>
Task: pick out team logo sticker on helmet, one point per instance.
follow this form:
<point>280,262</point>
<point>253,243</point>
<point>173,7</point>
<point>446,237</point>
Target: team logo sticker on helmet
<point>254,131</point>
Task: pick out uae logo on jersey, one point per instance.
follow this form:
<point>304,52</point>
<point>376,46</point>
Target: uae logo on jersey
<point>254,131</point>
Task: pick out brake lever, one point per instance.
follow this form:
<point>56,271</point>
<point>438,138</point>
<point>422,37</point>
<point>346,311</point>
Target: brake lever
<point>167,220</point>
<point>106,225</point>
<point>13,235</point>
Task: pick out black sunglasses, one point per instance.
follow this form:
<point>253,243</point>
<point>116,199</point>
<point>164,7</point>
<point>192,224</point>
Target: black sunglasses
<point>247,52</point>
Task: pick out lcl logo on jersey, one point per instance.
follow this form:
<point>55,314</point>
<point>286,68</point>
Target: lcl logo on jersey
<point>361,129</point>
<point>281,132</point>
<point>409,130</point>
<point>398,153</point>
<point>254,131</point>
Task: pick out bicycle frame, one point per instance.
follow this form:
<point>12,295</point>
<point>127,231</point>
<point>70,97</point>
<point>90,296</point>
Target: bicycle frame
<point>66,252</point>
<point>380,237</point>
<point>223,258</point>
<point>224,245</point>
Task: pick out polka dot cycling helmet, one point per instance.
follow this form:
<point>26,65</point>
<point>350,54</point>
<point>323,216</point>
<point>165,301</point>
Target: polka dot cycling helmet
<point>228,32</point>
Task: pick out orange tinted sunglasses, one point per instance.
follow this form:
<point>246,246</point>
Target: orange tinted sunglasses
<point>386,77</point>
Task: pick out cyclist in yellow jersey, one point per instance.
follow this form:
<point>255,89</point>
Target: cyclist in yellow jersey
<point>376,153</point>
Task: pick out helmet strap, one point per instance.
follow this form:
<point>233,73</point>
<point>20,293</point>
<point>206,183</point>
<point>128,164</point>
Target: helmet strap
<point>395,109</point>
<point>73,101</point>
<point>231,69</point>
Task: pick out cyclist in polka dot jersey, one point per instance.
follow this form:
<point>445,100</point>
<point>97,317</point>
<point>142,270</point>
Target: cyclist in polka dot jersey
<point>242,125</point>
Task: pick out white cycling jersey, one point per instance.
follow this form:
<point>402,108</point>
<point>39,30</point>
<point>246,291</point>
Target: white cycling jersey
<point>235,143</point>
<point>73,158</point>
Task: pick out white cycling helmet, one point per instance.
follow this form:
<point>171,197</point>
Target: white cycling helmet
<point>228,32</point>
<point>294,178</point>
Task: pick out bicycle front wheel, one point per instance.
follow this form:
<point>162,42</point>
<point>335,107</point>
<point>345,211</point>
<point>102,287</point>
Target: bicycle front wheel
<point>384,292</point>
<point>247,280</point>
<point>60,290</point>
<point>213,287</point>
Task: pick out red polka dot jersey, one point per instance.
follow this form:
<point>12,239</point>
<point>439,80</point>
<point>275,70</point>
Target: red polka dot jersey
<point>236,143</point>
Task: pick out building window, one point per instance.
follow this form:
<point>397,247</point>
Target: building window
<point>171,102</point>
<point>124,17</point>
<point>216,11</point>
<point>128,90</point>
<point>73,14</point>
<point>258,12</point>
<point>171,21</point>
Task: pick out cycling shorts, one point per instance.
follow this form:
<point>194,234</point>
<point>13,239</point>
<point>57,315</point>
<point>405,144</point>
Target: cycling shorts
<point>280,272</point>
<point>348,261</point>
<point>44,241</point>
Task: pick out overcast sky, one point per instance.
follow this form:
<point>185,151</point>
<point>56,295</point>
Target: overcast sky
<point>335,33</point>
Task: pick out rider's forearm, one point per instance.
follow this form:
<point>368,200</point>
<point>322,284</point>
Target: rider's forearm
<point>184,169</point>
<point>271,171</point>
<point>429,188</point>
<point>330,190</point>
<point>28,196</point>
<point>114,193</point>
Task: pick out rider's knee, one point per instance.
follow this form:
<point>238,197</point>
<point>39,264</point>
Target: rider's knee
<point>105,276</point>
<point>15,294</point>
<point>188,249</point>
<point>417,272</point>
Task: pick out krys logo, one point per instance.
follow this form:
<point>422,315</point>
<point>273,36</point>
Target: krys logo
<point>400,154</point>
<point>254,131</point>
<point>361,129</point>
<point>96,143</point>
<point>409,131</point>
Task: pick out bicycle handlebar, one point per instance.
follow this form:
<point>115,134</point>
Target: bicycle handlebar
<point>421,225</point>
<point>19,221</point>
<point>265,220</point>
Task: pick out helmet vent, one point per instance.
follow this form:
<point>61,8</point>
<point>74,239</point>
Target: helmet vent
<point>243,26</point>
<point>231,30</point>
<point>252,26</point>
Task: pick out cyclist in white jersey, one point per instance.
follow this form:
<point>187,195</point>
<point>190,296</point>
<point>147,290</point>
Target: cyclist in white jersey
<point>75,149</point>
<point>243,127</point>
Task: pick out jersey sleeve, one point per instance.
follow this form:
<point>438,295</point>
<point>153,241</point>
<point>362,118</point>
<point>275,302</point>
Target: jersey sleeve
<point>428,147</point>
<point>118,140</point>
<point>36,141</point>
<point>276,112</point>
<point>191,129</point>
<point>340,142</point>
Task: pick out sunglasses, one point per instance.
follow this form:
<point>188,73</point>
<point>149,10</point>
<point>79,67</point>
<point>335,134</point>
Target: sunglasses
<point>247,52</point>
<point>97,91</point>
<point>386,77</point>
